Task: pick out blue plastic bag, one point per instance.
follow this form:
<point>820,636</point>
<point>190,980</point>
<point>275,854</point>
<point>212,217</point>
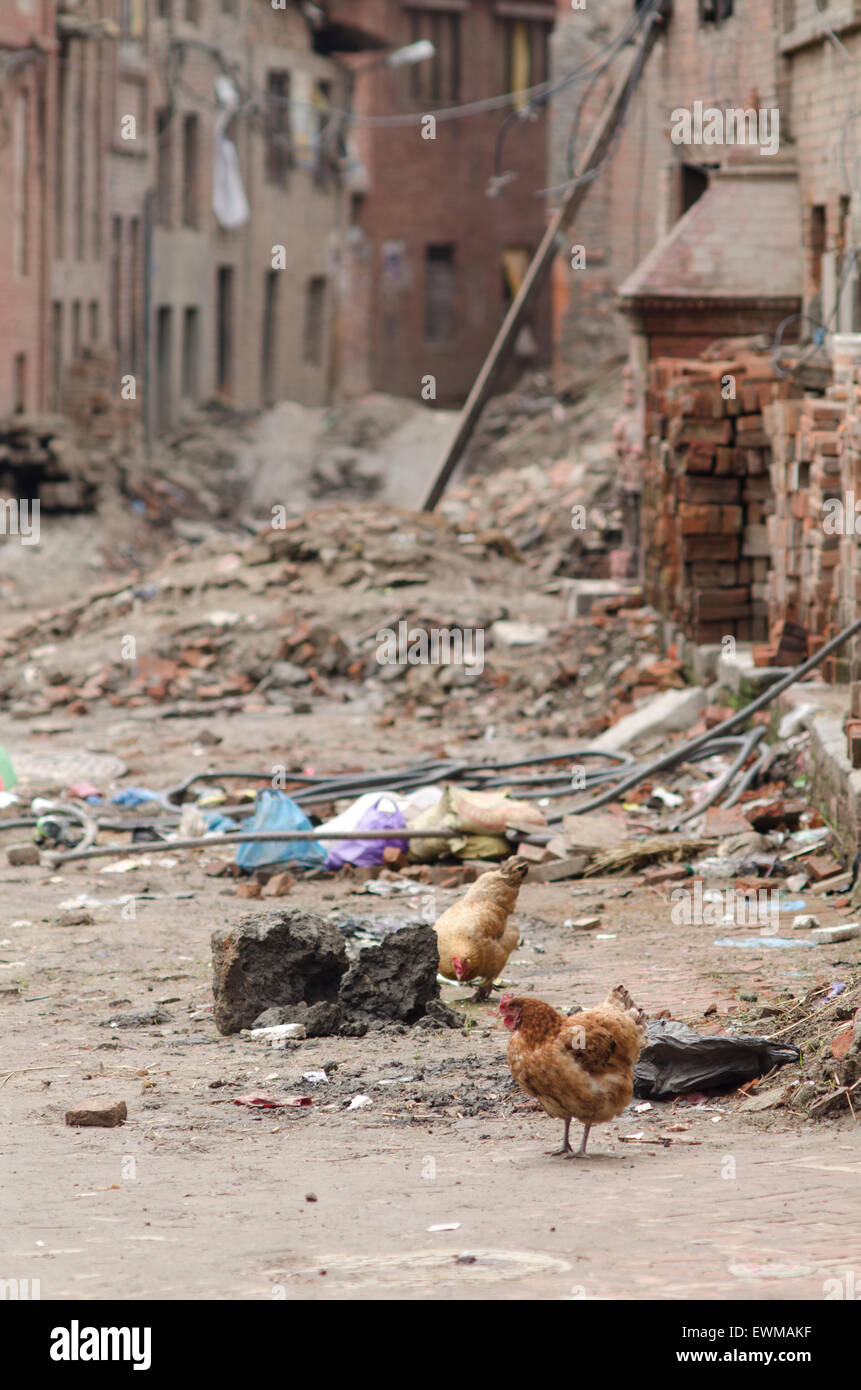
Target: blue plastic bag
<point>275,811</point>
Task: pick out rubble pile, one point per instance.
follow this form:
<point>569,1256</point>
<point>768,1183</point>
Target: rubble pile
<point>707,493</point>
<point>264,622</point>
<point>40,461</point>
<point>562,511</point>
<point>825,1024</point>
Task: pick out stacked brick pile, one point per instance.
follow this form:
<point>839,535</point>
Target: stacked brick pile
<point>707,493</point>
<point>61,460</point>
<point>39,462</point>
<point>806,475</point>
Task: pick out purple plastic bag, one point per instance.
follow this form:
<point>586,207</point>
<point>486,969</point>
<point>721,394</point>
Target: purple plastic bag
<point>366,852</point>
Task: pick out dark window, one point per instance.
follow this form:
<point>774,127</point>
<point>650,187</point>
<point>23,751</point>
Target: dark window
<point>695,181</point>
<point>192,11</point>
<point>715,11</point>
<point>315,306</point>
<point>117,283</point>
<point>526,44</point>
<point>164,366</point>
<point>439,294</point>
<point>163,156</point>
<point>190,353</point>
<point>56,355</point>
<point>279,142</point>
<point>135,293</point>
<point>60,137</point>
<point>515,264</point>
<point>94,321</point>
<point>81,48</point>
<point>817,244</point>
<point>224,329</point>
<point>190,171</point>
<point>22,181</point>
<point>19,383</point>
<point>76,329</point>
<point>437,79</point>
<point>270,322</point>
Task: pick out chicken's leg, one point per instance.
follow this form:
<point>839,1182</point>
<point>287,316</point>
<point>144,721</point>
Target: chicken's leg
<point>566,1149</point>
<point>581,1152</point>
<point>482,993</point>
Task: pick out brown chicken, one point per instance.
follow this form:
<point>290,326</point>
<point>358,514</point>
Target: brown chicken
<point>474,935</point>
<point>578,1067</point>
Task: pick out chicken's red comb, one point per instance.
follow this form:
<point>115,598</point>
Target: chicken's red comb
<point>505,1001</point>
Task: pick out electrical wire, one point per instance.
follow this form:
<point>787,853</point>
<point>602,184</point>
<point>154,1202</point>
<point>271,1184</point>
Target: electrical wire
<point>630,88</point>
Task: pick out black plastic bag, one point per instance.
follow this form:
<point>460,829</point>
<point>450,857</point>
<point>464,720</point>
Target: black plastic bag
<point>677,1060</point>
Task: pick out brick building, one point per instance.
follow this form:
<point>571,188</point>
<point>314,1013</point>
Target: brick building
<point>432,259</point>
<point>128,122</point>
<point>793,60</point>
<point>26,120</point>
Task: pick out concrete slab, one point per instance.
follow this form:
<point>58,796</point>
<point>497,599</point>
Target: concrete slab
<point>671,711</point>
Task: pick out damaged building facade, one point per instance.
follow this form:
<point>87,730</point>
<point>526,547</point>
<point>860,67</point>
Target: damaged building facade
<point>729,211</point>
<point>231,201</point>
<point>176,205</point>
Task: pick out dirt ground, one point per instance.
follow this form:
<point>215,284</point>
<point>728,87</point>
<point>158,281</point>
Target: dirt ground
<point>196,1197</point>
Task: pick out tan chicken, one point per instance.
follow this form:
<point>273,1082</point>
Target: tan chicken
<point>578,1067</point>
<point>474,935</point>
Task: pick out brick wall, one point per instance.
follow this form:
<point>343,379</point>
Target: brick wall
<point>640,194</point>
<point>425,193</point>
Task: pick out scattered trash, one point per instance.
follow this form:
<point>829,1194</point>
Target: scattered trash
<point>753,943</point>
<point>135,796</point>
<point>275,811</point>
<point>446,1226</point>
<point>279,1034</point>
<point>837,988</point>
<point>370,812</point>
<point>677,1060</point>
<point>7,772</point>
<point>360,1103</point>
<point>260,1100</point>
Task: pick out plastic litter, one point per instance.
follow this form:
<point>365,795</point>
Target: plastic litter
<point>678,1060</point>
<point>135,796</point>
<point>7,772</point>
<point>278,1034</point>
<point>370,812</point>
<point>752,943</point>
<point>274,810</point>
<point>837,988</point>
<point>261,1101</point>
